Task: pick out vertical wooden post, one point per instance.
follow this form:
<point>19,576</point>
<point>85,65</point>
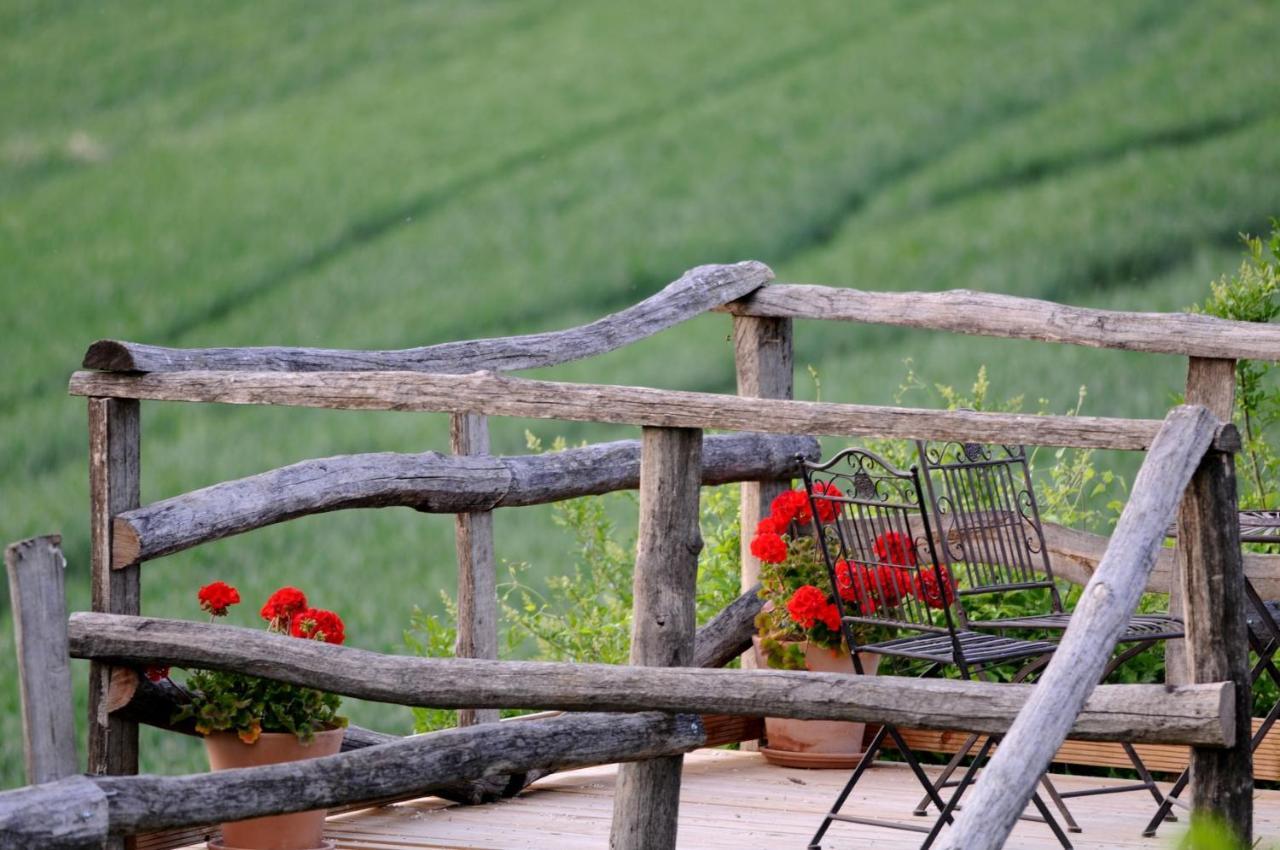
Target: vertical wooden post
<point>647,796</point>
<point>477,567</point>
<point>1210,382</point>
<point>1216,644</point>
<point>764,360</point>
<point>114,444</point>
<point>36,568</point>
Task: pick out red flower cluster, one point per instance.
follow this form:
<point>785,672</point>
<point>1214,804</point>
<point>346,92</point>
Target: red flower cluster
<point>895,548</point>
<point>809,605</point>
<point>217,597</point>
<point>928,591</point>
<point>792,506</point>
<point>318,624</point>
<point>157,674</point>
<point>281,606</point>
<point>872,587</point>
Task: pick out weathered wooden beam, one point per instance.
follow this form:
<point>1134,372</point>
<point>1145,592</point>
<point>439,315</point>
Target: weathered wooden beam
<point>66,814</point>
<point>1217,646</point>
<point>36,568</point>
<point>646,797</point>
<point>763,357</point>
<point>1013,317</point>
<point>1146,713</point>
<point>114,474</point>
<point>416,765</point>
<point>1005,786</point>
<point>428,482</point>
<point>497,395</point>
<point>1212,383</point>
<point>477,565</point>
<point>695,292</point>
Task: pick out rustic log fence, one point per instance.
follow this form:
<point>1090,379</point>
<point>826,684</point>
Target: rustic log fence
<point>673,458</point>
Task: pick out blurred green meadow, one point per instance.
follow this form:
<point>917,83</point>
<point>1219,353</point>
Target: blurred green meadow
<point>385,175</point>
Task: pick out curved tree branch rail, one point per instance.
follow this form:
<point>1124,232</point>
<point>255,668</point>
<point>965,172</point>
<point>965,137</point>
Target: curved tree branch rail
<point>429,482</point>
<point>694,293</point>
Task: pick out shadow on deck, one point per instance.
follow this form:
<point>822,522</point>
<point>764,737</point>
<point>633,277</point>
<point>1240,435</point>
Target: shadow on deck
<point>736,800</point>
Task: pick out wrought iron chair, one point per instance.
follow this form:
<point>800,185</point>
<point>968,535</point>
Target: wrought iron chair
<point>991,538</point>
<point>885,575</point>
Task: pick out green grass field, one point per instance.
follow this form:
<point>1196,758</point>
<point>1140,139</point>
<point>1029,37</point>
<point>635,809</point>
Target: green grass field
<point>387,174</point>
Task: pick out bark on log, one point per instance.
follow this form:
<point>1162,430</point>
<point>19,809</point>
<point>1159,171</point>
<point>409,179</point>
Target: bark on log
<point>646,797</point>
<point>68,814</point>
<point>497,395</point>
<point>1003,789</point>
<point>1013,317</point>
<point>1145,713</point>
<point>115,447</point>
<point>1217,645</point>
<point>697,291</point>
<point>36,569</point>
<point>408,766</point>
<point>428,482</point>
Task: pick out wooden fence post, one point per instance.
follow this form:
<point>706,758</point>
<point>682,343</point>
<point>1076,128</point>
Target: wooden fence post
<point>114,448</point>
<point>647,795</point>
<point>764,360</point>
<point>477,568</point>
<point>36,569</point>
<point>1216,644</point>
<point>1211,382</point>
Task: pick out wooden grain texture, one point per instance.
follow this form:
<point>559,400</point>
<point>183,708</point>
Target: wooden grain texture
<point>1212,383</point>
<point>114,486</point>
<point>413,765</point>
<point>36,568</point>
<point>428,482</point>
<point>763,358</point>
<point>477,565</point>
<point>68,814</point>
<point>1013,317</point>
<point>1216,636</point>
<point>646,802</point>
<point>695,292</point>
<point>1108,601</point>
<point>497,395</point>
<point>1148,713</point>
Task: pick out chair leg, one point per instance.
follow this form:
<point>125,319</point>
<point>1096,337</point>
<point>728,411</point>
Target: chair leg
<point>1059,803</point>
<point>1146,777</point>
<point>1166,808</point>
<point>970,772</point>
<point>874,747</point>
<point>922,808</point>
<point>1052,821</point>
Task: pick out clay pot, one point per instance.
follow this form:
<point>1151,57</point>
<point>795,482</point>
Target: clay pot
<point>298,831</point>
<point>818,743</point>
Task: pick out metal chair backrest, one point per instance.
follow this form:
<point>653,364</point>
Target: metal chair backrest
<point>988,522</point>
<point>876,541</point>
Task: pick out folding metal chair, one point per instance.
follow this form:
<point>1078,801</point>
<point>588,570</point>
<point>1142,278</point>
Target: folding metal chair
<point>991,538</point>
<point>885,575</point>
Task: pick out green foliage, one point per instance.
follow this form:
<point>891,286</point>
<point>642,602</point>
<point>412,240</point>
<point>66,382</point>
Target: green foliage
<point>224,701</point>
<point>1209,833</point>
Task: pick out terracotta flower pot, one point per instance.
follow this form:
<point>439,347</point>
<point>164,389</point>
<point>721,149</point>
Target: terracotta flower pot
<point>818,743</point>
<point>298,831</point>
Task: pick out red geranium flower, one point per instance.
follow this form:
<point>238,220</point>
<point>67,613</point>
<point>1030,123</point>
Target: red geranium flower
<point>896,548</point>
<point>770,548</point>
<point>930,593</point>
<point>282,605</point>
<point>827,509</point>
<point>872,588</point>
<point>792,505</point>
<point>216,598</point>
<point>318,624</point>
<point>809,605</point>
<point>769,526</point>
<point>157,674</point>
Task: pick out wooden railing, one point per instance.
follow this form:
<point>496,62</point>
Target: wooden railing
<point>673,460</point>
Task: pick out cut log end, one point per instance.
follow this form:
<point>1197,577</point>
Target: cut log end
<point>109,355</point>
<point>126,546</point>
<point>124,684</point>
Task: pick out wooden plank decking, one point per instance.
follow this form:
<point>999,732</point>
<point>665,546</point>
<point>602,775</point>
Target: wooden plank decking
<point>736,800</point>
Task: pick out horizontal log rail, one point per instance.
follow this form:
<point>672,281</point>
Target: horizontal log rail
<point>1149,713</point>
<point>1012,317</point>
<point>428,482</point>
<point>497,395</point>
<point>88,809</point>
<point>1108,601</point>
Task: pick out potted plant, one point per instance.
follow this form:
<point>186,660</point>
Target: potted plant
<point>799,626</point>
<point>248,721</point>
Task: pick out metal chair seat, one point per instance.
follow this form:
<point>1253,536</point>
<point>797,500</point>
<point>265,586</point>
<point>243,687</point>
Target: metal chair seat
<point>980,648</point>
<point>1142,627</point>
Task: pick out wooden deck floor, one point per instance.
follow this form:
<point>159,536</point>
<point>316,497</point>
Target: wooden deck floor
<point>736,800</point>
